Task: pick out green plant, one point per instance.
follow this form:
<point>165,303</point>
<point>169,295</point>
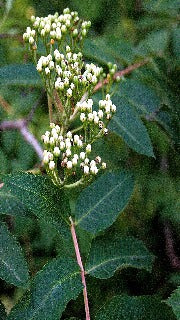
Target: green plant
<point>75,198</point>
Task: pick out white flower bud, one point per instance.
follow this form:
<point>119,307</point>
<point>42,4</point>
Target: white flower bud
<point>90,117</point>
<point>72,86</point>
<point>79,143</point>
<point>75,32</point>
<point>88,148</point>
<point>51,65</point>
<point>47,71</point>
<point>51,165</point>
<point>94,169</point>
<point>92,163</point>
<point>82,117</point>
<point>68,49</point>
<point>46,139</point>
<point>98,159</point>
<point>102,103</point>
<point>76,156</point>
<point>103,165</point>
<point>82,155</point>
<point>63,28</point>
<point>100,114</point>
<point>96,120</point>
<point>62,145</point>
<point>56,151</point>
<point>113,108</point>
<point>68,144</point>
<point>31,40</point>
<point>69,93</point>
<point>74,161</point>
<point>69,164</point>
<point>86,170</point>
<point>69,135</point>
<point>68,152</point>
<point>86,160</point>
<point>108,97</point>
<point>46,159</point>
<point>60,138</point>
<point>52,125</point>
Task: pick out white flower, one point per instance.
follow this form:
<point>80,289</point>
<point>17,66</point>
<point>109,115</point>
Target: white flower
<point>86,170</point>
<point>69,135</point>
<point>69,92</point>
<point>62,145</point>
<point>46,159</point>
<point>51,140</point>
<point>113,108</point>
<point>74,161</point>
<point>98,159</point>
<point>68,152</point>
<point>47,70</point>
<point>79,143</point>
<point>82,155</point>
<point>86,160</point>
<point>76,156</point>
<point>92,163</point>
<point>31,40</point>
<point>94,169</point>
<point>69,164</point>
<point>51,165</point>
<point>96,119</point>
<point>76,138</point>
<point>90,117</point>
<point>100,114</point>
<point>82,117</point>
<point>56,151</point>
<point>88,148</point>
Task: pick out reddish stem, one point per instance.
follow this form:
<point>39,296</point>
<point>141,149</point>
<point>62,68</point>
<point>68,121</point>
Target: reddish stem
<point>121,73</point>
<point>79,261</point>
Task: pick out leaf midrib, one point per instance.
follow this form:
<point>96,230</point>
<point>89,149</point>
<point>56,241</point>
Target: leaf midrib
<point>101,200</point>
<point>114,259</point>
<point>40,305</point>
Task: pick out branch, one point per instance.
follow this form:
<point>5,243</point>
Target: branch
<point>169,242</point>
<point>122,73</point>
<point>5,105</point>
<point>79,261</point>
<point>21,125</point>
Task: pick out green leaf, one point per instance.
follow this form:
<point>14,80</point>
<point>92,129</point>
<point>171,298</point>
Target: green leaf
<point>138,95</point>
<point>155,43</point>
<point>174,302</point>
<point>2,312</point>
<point>41,197</point>
<point>99,204</point>
<point>20,75</point>
<point>52,288</point>
<point>13,267</point>
<point>12,206</point>
<point>134,308</point>
<point>128,125</point>
<point>110,254</point>
<point>9,4</point>
<point>99,50</point>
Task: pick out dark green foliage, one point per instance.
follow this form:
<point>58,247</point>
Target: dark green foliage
<point>174,302</point>
<point>2,312</point>
<point>109,254</point>
<point>51,290</point>
<point>135,308</point>
<point>128,125</point>
<point>99,204</point>
<point>40,196</point>
<point>13,267</point>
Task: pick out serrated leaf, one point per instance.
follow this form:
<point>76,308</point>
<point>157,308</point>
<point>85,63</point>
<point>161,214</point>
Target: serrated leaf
<point>12,206</point>
<point>128,125</point>
<point>139,96</point>
<point>174,302</point>
<point>41,197</point>
<point>13,267</point>
<point>20,75</point>
<point>110,254</point>
<point>52,288</point>
<point>134,308</point>
<point>99,204</point>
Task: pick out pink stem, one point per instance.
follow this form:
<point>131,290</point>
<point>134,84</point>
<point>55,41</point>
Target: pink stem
<point>79,261</point>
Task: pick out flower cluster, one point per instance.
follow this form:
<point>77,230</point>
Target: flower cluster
<point>56,27</point>
<point>64,73</point>
<point>68,155</point>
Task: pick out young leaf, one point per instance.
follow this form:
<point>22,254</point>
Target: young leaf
<point>135,308</point>
<point>99,204</point>
<point>174,302</point>
<point>109,254</point>
<point>20,75</point>
<point>12,206</point>
<point>42,197</point>
<point>128,125</point>
<point>52,289</point>
<point>13,267</point>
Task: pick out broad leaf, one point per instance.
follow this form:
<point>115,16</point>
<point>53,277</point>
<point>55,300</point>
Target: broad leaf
<point>12,206</point>
<point>128,125</point>
<point>138,95</point>
<point>52,289</point>
<point>42,197</point>
<point>20,75</point>
<point>112,253</point>
<point>99,204</point>
<point>135,308</point>
<point>13,267</point>
<point>97,49</point>
<point>174,302</point>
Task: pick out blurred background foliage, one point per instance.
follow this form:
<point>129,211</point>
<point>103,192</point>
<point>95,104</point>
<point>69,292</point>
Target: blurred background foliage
<point>124,32</point>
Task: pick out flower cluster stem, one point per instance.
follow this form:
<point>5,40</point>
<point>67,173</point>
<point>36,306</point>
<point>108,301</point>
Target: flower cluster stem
<point>79,261</point>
